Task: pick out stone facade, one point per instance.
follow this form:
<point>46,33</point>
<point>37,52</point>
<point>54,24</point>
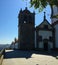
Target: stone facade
<point>26,29</point>
<point>44,35</point>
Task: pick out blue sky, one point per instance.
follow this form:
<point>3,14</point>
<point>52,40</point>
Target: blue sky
<point>9,10</point>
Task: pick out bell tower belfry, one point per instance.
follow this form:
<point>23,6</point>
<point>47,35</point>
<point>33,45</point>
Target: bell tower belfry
<point>26,27</point>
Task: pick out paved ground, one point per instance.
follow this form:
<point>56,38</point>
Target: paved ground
<point>29,58</point>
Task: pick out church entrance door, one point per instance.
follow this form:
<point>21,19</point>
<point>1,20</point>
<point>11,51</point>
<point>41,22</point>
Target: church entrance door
<point>46,46</point>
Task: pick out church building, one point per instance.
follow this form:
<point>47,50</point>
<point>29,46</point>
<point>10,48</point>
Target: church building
<point>42,37</point>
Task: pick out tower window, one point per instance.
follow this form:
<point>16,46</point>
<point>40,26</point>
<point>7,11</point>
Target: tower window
<point>30,19</point>
<point>25,18</point>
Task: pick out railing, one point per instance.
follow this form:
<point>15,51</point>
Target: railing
<point>2,52</point>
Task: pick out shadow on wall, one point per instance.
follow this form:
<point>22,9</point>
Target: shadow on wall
<point>27,54</point>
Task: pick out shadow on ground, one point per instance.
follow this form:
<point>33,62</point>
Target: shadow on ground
<point>28,54</point>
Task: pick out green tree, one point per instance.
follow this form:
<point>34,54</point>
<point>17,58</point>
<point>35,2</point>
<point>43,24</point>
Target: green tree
<point>41,4</point>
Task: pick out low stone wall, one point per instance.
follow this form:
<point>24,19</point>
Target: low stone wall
<point>2,56</point>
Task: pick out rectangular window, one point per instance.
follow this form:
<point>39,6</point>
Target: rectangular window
<point>40,38</point>
<point>50,38</point>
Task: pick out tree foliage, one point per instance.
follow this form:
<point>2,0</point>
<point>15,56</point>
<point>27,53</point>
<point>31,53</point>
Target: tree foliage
<point>37,3</point>
<point>42,3</point>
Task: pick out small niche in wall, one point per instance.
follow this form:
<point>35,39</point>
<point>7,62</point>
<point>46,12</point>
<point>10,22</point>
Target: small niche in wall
<point>46,26</point>
<point>24,21</point>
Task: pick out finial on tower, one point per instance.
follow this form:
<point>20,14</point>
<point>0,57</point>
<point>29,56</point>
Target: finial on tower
<point>44,15</point>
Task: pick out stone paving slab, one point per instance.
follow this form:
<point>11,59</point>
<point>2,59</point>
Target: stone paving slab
<point>36,59</point>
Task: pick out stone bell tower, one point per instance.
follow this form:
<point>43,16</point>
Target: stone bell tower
<point>26,27</point>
